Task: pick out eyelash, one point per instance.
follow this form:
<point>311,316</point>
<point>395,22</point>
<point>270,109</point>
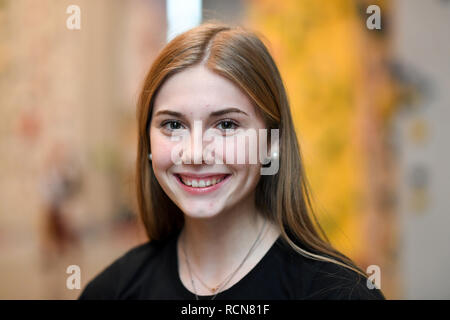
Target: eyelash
<point>163,125</point>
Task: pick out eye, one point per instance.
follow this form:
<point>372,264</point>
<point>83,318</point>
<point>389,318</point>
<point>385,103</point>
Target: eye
<point>227,125</point>
<point>172,125</point>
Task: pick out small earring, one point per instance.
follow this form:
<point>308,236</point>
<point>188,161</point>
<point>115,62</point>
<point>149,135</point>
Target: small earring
<point>150,156</point>
<point>267,161</point>
<point>270,158</point>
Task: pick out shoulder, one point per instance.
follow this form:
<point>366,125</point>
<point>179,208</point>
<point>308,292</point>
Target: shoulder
<point>309,278</point>
<point>335,282</point>
<point>113,279</point>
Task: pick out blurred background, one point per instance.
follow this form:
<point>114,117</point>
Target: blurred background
<point>371,109</point>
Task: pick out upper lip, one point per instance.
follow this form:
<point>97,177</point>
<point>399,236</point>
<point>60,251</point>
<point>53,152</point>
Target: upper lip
<point>200,176</point>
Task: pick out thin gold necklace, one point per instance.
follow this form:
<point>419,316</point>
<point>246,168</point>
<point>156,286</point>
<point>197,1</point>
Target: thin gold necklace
<point>227,279</point>
<point>214,289</point>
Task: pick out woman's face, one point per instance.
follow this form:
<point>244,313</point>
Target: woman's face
<point>197,106</point>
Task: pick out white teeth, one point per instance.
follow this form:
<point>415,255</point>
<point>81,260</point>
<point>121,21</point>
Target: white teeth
<point>201,183</point>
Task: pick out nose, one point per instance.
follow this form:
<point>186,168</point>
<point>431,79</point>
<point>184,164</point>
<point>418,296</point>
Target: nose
<point>193,148</point>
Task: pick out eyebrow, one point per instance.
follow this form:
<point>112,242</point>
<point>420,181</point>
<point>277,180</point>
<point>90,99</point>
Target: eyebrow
<point>212,114</point>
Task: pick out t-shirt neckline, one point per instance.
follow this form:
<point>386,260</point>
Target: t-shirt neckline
<point>234,288</point>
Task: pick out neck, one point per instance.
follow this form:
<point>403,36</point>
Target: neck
<point>215,246</point>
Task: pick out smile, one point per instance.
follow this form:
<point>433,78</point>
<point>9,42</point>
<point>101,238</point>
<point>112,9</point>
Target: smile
<point>197,184</point>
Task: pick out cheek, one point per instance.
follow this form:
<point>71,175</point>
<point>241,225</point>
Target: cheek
<point>234,150</point>
<point>247,178</point>
<point>161,148</point>
<point>241,156</point>
<point>241,150</point>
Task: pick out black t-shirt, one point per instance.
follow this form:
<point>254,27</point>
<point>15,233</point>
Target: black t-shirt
<point>150,271</point>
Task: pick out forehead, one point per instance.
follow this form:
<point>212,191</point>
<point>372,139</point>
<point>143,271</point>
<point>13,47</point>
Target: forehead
<point>198,91</point>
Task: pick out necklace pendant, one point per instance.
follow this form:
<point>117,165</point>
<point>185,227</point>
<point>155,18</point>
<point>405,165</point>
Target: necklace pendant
<point>213,289</point>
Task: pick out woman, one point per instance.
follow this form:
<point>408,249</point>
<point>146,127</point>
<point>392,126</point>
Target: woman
<point>222,228</point>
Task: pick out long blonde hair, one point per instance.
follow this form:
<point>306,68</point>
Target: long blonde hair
<point>240,56</point>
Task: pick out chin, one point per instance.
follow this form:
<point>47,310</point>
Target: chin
<point>200,215</point>
<point>200,211</point>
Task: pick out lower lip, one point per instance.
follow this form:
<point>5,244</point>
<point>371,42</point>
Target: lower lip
<point>203,190</point>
